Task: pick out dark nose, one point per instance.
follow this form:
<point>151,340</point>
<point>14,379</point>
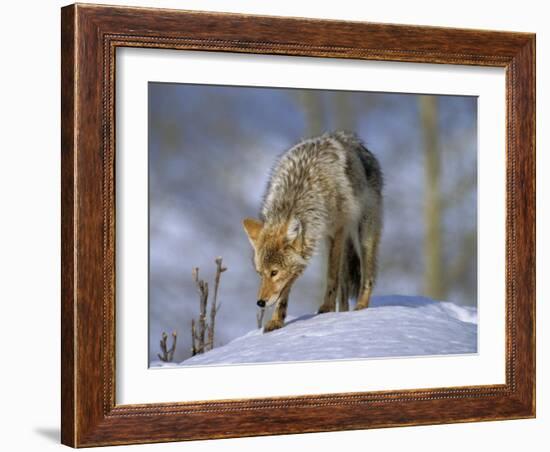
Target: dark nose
<point>261,303</point>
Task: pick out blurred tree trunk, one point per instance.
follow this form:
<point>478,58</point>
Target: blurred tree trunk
<point>434,283</point>
<point>344,112</point>
<point>312,107</point>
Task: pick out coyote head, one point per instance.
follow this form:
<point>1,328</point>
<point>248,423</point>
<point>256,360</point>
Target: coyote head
<point>277,257</point>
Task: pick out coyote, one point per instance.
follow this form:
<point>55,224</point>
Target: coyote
<point>324,188</point>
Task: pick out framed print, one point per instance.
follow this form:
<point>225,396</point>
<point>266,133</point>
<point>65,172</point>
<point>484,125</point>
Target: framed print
<point>282,225</point>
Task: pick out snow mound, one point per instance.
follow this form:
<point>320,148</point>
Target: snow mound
<point>393,326</point>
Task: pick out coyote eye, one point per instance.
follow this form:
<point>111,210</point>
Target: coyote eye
<point>274,273</point>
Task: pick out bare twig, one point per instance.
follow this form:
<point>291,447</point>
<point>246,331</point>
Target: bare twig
<point>194,350</point>
<point>215,306</point>
<point>167,353</point>
<point>202,287</point>
<point>202,332</point>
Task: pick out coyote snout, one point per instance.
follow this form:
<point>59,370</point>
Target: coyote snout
<point>326,188</point>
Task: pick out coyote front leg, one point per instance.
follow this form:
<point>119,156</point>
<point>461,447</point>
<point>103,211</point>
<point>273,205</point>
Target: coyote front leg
<point>336,245</point>
<point>278,318</point>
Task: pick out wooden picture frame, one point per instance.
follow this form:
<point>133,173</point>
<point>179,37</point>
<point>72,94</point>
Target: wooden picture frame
<point>90,36</point>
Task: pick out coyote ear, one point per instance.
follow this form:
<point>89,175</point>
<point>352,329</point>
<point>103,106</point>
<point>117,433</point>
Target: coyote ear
<point>294,230</point>
<point>252,227</point>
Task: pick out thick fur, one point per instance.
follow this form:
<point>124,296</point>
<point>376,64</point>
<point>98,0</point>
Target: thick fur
<point>325,188</point>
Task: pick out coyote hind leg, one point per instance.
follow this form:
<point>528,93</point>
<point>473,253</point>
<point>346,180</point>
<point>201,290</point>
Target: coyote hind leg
<point>370,238</point>
<point>344,292</point>
<point>336,245</point>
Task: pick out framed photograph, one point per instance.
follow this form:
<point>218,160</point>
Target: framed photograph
<point>282,225</point>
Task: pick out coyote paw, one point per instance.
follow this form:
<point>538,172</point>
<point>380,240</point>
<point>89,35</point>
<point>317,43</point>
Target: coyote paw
<point>358,307</point>
<point>273,325</point>
<point>326,308</point>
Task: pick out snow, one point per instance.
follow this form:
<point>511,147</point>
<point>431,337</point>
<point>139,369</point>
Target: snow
<point>159,363</point>
<point>393,326</point>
